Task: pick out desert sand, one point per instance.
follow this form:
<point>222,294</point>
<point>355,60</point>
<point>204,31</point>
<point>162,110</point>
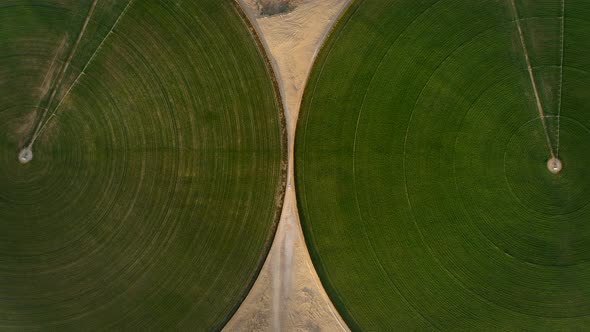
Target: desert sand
<point>288,295</point>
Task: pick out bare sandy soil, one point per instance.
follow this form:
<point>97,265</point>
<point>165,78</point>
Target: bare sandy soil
<point>288,295</point>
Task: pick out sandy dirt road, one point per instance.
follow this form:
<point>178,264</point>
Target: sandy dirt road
<point>288,295</point>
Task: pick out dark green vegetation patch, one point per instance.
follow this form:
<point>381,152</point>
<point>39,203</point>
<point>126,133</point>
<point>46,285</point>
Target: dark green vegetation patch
<point>422,173</point>
<point>157,170</point>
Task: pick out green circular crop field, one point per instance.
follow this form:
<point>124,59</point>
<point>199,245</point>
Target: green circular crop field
<point>157,170</point>
<point>422,151</point>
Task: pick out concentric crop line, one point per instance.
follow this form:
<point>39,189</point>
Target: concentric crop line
<point>354,181</point>
<point>456,184</point>
<point>358,208</point>
<point>307,115</point>
<point>43,125</point>
<point>305,201</point>
<point>42,120</point>
<point>561,72</point>
<point>429,248</point>
<point>532,78</point>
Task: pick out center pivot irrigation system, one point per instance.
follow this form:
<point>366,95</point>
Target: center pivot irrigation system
<point>158,170</point>
<point>441,164</point>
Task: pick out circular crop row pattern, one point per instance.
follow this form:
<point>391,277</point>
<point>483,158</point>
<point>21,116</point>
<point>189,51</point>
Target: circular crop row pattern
<point>141,164</point>
<point>423,174</point>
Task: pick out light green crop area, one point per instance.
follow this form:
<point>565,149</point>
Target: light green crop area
<point>421,163</point>
<point>158,168</point>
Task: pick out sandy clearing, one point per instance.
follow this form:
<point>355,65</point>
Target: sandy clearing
<point>288,295</point>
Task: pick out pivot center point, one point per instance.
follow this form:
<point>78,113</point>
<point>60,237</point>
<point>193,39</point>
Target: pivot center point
<point>554,165</point>
<point>25,155</point>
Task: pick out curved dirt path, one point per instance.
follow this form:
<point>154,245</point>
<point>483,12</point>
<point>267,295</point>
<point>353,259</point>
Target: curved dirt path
<point>288,295</point>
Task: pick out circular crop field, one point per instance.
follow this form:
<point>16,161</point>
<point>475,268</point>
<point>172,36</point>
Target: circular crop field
<point>141,164</point>
<point>441,162</point>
